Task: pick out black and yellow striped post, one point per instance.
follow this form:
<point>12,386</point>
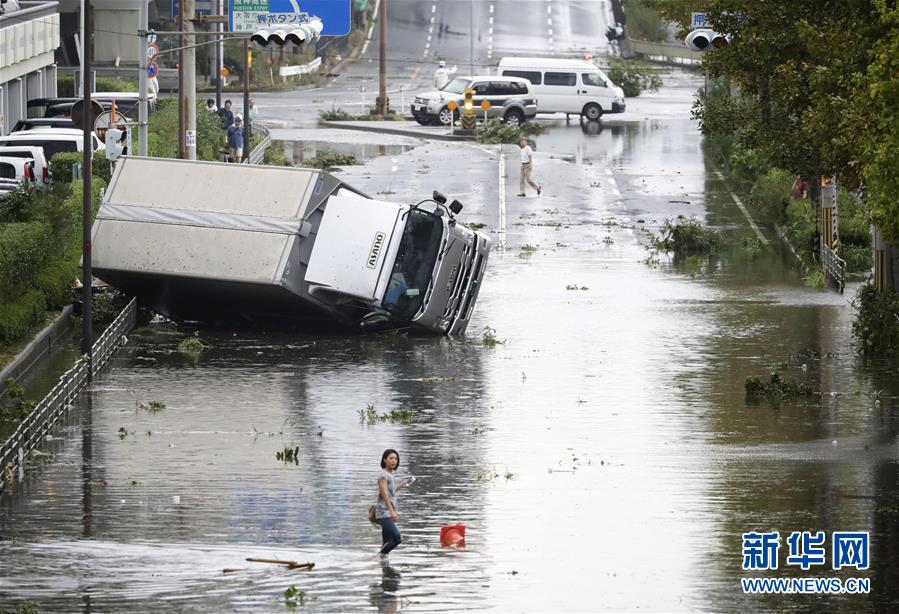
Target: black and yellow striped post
<point>830,236</point>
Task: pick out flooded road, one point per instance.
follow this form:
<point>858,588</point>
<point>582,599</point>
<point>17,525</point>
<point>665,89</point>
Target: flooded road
<point>603,455</point>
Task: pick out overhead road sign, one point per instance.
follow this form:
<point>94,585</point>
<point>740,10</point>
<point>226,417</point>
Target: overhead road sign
<point>254,15</point>
<point>204,7</point>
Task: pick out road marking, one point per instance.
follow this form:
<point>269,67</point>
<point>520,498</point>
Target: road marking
<point>433,8</point>
<point>549,9</point>
<point>432,19</point>
<point>502,199</point>
<point>737,200</point>
<point>491,8</point>
<point>431,30</point>
<point>490,20</point>
<point>415,73</point>
<point>550,32</point>
<point>549,21</point>
<point>371,28</point>
<point>490,31</point>
<point>429,38</point>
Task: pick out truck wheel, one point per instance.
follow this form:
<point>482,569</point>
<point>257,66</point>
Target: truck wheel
<point>592,111</point>
<point>445,116</point>
<point>514,117</point>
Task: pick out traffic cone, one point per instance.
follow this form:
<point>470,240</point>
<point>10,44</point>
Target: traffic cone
<point>452,536</point>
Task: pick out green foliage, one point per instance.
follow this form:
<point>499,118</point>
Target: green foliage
<point>801,228</point>
<point>19,315</point>
<point>289,455</point>
<point>643,22</point>
<point>489,338</point>
<point>876,328</point>
<point>775,389</point>
<point>274,156</point>
<point>771,195</point>
<point>23,249</point>
<point>65,85</point>
<point>152,407</point>
<point>494,131</point>
<point>327,160</point>
<point>61,166</point>
<point>749,164</point>
<point>192,345</point>
<point>335,114</point>
<point>859,258</point>
<point>634,77</point>
<point>371,417</point>
<point>687,237</point>
<point>162,137</point>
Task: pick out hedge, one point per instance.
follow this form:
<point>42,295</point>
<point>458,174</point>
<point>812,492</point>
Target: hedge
<point>23,250</point>
<point>18,316</point>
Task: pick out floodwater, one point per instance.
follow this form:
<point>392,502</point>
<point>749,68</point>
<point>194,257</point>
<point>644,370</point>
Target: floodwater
<point>603,456</point>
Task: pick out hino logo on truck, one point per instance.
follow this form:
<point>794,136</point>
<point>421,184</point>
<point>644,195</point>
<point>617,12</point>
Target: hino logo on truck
<point>452,278</point>
<point>375,250</point>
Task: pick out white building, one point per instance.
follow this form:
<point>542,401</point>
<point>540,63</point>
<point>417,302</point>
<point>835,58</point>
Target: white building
<point>29,38</point>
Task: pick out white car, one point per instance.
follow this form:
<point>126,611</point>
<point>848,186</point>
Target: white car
<point>52,140</point>
<point>38,160</point>
<point>511,100</point>
<point>20,169</point>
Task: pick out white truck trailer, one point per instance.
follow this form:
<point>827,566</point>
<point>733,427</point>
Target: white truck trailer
<point>261,245</point>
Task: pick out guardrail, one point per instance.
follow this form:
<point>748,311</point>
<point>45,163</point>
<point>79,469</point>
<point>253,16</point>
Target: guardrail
<point>676,54</point>
<point>258,152</point>
<point>59,400</point>
<point>834,267</point>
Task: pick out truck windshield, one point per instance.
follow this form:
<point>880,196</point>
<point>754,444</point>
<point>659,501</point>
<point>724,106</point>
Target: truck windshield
<point>414,264</point>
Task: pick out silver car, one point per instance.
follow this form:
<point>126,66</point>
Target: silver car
<point>511,100</point>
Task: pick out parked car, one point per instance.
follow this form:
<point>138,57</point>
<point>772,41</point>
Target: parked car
<point>43,122</point>
<point>511,99</point>
<point>126,104</point>
<point>20,170</point>
<point>567,86</point>
<point>52,140</point>
<point>38,160</point>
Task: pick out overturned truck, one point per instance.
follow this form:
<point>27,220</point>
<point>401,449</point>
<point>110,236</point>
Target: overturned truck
<point>259,245</point>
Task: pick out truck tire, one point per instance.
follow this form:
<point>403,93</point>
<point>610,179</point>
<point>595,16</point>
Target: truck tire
<point>445,117</point>
<point>514,117</point>
<point>592,111</point>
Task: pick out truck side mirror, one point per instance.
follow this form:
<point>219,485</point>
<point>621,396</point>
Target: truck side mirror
<point>439,198</point>
<point>455,207</point>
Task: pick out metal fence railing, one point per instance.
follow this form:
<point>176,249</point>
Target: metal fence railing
<point>60,399</point>
<point>258,152</point>
<point>834,267</point>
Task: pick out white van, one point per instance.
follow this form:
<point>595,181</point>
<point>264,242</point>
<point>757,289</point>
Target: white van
<point>567,86</point>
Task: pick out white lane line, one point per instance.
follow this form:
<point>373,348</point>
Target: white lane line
<point>433,8</point>
<point>490,31</point>
<point>429,38</point>
<point>432,19</point>
<point>431,30</point>
<point>490,21</point>
<point>491,9</point>
<point>550,32</point>
<point>371,28</point>
<point>502,199</point>
<point>737,200</point>
<point>549,21</point>
<point>549,9</point>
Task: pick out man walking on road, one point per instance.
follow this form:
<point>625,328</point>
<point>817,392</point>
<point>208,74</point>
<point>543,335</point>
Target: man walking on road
<point>235,139</point>
<point>527,165</point>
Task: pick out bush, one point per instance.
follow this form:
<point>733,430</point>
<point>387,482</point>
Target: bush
<point>162,134</point>
<point>859,258</point>
<point>876,327</point>
<point>634,77</point>
<point>334,114</point>
<point>23,250</point>
<point>61,165</point>
<point>771,195</point>
<point>687,237</point>
<point>65,85</point>
<point>18,316</point>
<point>494,131</point>
<point>801,228</point>
<point>327,160</point>
<point>643,22</point>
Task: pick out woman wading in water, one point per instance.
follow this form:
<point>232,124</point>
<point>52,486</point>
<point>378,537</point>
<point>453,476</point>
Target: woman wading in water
<point>385,510</point>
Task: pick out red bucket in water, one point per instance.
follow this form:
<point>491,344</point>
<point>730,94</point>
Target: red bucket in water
<point>452,536</point>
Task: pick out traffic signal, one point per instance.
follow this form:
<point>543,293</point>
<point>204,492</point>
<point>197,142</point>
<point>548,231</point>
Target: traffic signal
<point>468,103</point>
<point>703,39</point>
<point>300,35</point>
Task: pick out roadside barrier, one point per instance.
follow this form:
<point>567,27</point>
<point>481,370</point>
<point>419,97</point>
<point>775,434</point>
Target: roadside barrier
<point>258,152</point>
<point>32,431</point>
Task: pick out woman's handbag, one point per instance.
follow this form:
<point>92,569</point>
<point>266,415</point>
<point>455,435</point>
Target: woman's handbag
<point>371,515</point>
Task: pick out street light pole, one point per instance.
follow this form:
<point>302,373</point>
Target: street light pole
<point>189,94</point>
<point>87,333</point>
<point>182,153</point>
<point>471,38</point>
<point>383,105</point>
<point>247,62</point>
<point>142,107</point>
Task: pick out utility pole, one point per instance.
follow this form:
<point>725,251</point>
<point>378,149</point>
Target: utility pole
<point>189,94</point>
<point>219,56</point>
<point>471,38</point>
<point>247,62</point>
<point>182,151</point>
<point>383,105</point>
<point>142,108</point>
<point>87,333</point>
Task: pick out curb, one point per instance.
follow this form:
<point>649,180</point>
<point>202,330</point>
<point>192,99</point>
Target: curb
<point>362,127</point>
<point>35,351</point>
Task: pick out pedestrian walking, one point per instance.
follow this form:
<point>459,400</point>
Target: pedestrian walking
<point>235,139</point>
<point>386,509</point>
<point>227,115</point>
<point>527,166</point>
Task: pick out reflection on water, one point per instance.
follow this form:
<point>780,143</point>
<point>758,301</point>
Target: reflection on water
<point>604,457</point>
<point>296,151</point>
